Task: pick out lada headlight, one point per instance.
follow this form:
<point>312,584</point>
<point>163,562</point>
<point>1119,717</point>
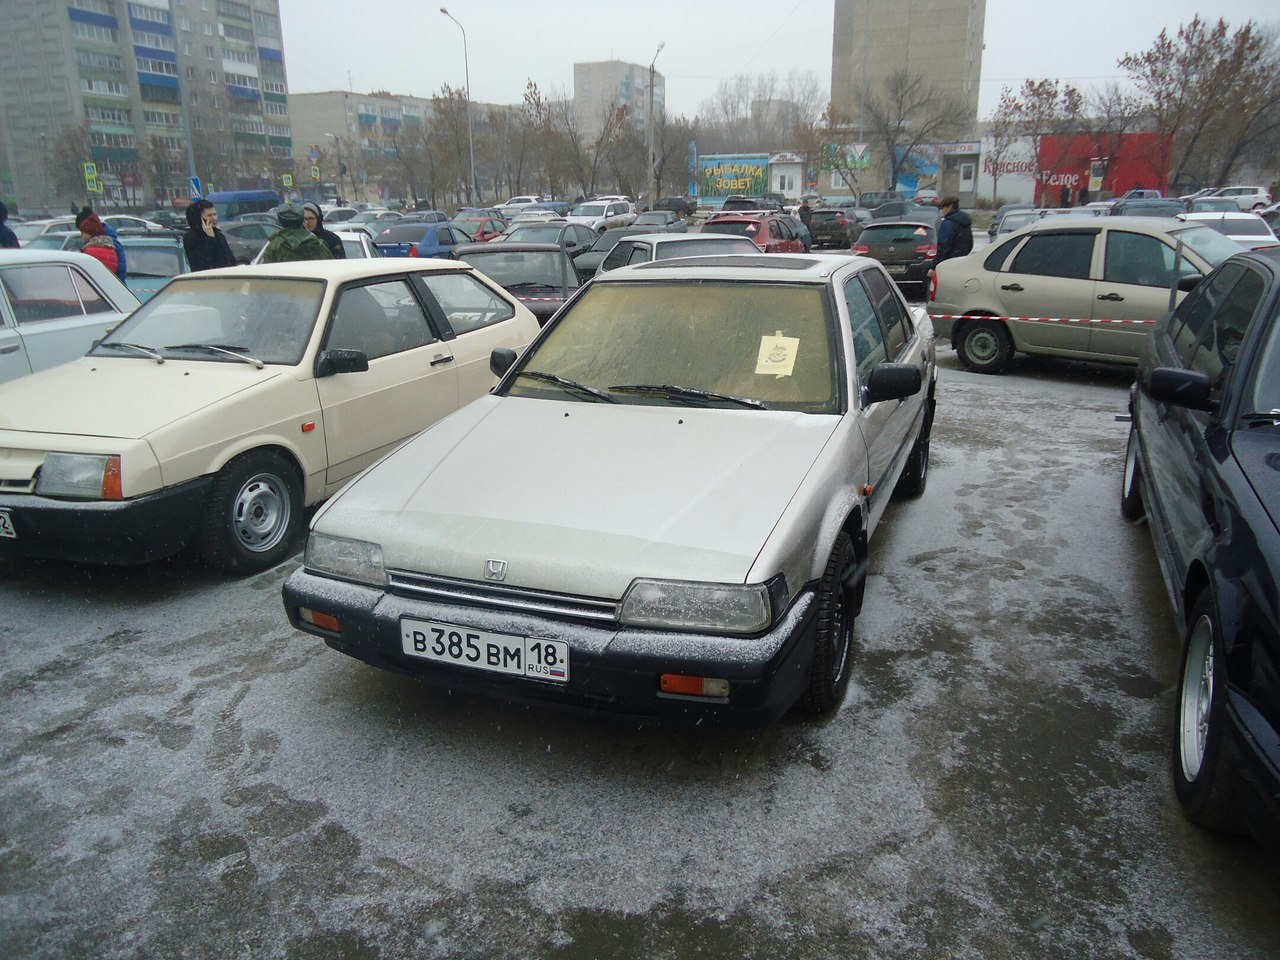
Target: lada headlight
<point>346,559</point>
<point>80,476</point>
<point>711,607</point>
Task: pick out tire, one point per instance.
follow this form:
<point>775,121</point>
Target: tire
<point>1131,506</point>
<point>985,346</point>
<point>833,644</point>
<point>1205,777</point>
<point>253,515</point>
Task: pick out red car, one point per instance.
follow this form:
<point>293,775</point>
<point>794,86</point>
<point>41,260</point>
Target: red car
<point>770,233</point>
<point>480,228</point>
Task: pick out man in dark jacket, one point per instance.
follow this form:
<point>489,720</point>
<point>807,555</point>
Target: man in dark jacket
<point>107,230</point>
<point>955,232</point>
<point>206,246</point>
<point>293,241</point>
<point>8,239</point>
<point>313,220</point>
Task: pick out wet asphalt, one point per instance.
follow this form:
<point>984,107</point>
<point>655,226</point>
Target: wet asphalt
<point>182,775</point>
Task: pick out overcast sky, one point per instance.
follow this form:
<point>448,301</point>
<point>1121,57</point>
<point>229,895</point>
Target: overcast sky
<point>409,47</point>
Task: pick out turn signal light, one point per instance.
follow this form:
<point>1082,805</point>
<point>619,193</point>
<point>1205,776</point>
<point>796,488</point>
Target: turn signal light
<point>111,488</point>
<point>325,621</point>
<point>693,686</point>
<point>933,287</point>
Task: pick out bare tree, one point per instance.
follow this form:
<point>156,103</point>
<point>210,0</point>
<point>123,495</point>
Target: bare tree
<point>1109,116</point>
<point>1046,108</point>
<point>907,113</point>
<point>1004,134</point>
<point>837,153</point>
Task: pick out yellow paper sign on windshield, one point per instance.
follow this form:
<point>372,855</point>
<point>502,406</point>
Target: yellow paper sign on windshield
<point>777,355</point>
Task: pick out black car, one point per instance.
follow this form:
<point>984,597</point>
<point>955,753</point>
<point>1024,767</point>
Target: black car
<point>1148,208</point>
<point>834,227</point>
<point>587,263</point>
<point>680,205</point>
<point>1203,464</point>
<point>907,248</point>
<point>905,210</point>
<point>539,275</point>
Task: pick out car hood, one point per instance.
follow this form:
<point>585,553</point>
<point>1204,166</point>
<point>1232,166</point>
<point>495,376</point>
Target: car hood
<point>582,498</point>
<point>121,397</point>
<point>1257,450</point>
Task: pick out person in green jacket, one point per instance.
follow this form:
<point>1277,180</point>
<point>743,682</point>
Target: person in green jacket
<point>293,241</point>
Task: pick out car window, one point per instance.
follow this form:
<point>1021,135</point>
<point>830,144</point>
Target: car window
<point>1264,395</point>
<point>49,291</point>
<point>893,315</point>
<point>153,261</point>
<point>379,319</point>
<point>1055,255</point>
<point>868,338</point>
<point>617,256</point>
<point>996,258</point>
<point>640,253</point>
<point>465,303</point>
<point>1216,352</point>
<point>1191,319</point>
<point>1140,259</point>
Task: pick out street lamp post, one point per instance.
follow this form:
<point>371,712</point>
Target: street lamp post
<point>337,150</point>
<point>648,131</point>
<point>466,65</point>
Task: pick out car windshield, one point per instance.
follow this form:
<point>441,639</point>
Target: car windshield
<point>700,343</point>
<point>588,210</point>
<point>50,241</point>
<point>653,217</point>
<point>1265,396</point>
<point>1238,226</point>
<point>153,261</point>
<point>912,233</point>
<point>700,247</point>
<point>523,268</point>
<point>268,319</point>
<point>1210,244</point>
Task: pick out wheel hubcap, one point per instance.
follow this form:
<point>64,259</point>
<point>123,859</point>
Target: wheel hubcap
<point>982,346</point>
<point>1130,464</point>
<point>261,511</point>
<point>838,655</point>
<point>1196,699</point>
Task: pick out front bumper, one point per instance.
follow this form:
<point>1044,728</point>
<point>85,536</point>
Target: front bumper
<point>112,532</point>
<point>613,669</point>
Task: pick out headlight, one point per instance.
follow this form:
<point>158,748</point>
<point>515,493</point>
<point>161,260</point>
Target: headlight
<point>356,560</point>
<point>79,475</point>
<point>715,607</point>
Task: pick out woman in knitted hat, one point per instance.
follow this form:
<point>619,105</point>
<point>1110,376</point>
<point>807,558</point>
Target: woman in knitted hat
<point>120,270</point>
<point>96,243</point>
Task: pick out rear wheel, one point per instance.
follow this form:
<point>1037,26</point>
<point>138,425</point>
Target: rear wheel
<point>833,646</point>
<point>253,515</point>
<point>985,346</point>
<point>1205,777</point>
<point>1131,507</point>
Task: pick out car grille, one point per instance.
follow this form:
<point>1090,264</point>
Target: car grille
<point>500,597</point>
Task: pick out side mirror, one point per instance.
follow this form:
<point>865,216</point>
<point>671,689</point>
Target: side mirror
<point>341,361</point>
<point>1183,388</point>
<point>1189,283</point>
<point>501,360</point>
<point>892,381</point>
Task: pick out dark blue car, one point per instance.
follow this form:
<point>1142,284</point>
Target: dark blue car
<point>420,240</point>
<point>1203,465</point>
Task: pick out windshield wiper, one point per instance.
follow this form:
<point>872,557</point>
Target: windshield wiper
<point>122,345</point>
<point>530,283</point>
<point>1272,418</point>
<point>567,384</point>
<point>230,350</point>
<point>675,392</point>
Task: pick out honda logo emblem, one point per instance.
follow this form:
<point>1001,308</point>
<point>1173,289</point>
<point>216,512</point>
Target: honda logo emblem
<point>495,569</point>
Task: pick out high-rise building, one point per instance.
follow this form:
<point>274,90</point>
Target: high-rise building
<point>939,40</point>
<point>602,87</point>
<point>136,76</point>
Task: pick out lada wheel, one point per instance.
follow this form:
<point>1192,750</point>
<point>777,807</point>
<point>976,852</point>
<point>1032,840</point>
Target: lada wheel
<point>1131,507</point>
<point>1204,772</point>
<point>985,346</point>
<point>253,514</point>
<point>833,646</point>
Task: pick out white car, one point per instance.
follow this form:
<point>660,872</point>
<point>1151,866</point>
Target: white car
<point>53,306</point>
<point>600,215</point>
<point>664,507</point>
<point>643,247</point>
<point>1246,198</point>
<point>232,399</point>
<point>516,204</point>
<point>1247,229</point>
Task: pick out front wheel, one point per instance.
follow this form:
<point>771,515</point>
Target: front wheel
<point>985,346</point>
<point>833,646</point>
<point>1205,777</point>
<point>253,515</point>
<point>1131,507</point>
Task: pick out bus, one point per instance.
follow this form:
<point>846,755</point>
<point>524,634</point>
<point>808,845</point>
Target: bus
<point>231,204</point>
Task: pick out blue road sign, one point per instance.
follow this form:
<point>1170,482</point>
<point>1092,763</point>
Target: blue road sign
<point>193,188</point>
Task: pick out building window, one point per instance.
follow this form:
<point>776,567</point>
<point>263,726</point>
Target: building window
<point>95,6</point>
<point>208,53</point>
<point>90,31</point>
<point>156,41</point>
<point>107,87</point>
<point>194,96</point>
<point>196,123</point>
<point>184,23</point>
<point>140,11</point>
<point>109,115</point>
<point>147,65</point>
<point>98,60</point>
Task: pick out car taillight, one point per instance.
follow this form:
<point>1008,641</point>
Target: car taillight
<point>928,249</point>
<point>842,223</point>
<point>860,249</point>
<point>413,249</point>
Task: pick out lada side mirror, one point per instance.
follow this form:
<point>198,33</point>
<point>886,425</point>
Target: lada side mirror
<point>342,361</point>
<point>892,381</point>
<point>501,360</point>
<point>1183,388</point>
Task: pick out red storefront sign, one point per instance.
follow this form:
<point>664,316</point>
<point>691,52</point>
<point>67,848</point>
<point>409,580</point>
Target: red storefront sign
<point>1123,162</point>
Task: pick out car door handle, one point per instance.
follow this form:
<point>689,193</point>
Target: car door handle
<point>11,348</point>
<point>1015,287</point>
<point>439,360</point>
<point>1110,296</point>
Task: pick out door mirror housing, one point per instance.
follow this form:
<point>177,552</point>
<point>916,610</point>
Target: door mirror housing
<point>1182,388</point>
<point>341,361</point>
<point>501,360</point>
<point>892,381</point>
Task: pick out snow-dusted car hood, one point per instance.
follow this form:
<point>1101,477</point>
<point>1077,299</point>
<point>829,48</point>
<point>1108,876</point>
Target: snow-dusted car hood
<point>581,497</point>
<point>117,397</point>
